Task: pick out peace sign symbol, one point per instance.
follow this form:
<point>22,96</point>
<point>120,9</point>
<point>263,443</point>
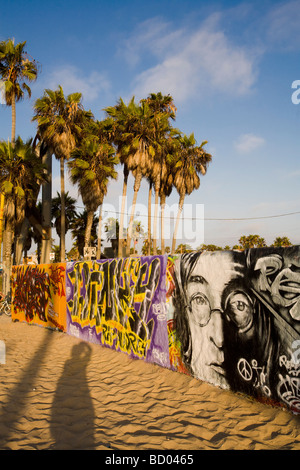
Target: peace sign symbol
<point>245,369</point>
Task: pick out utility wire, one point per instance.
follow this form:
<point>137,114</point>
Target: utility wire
<point>206,218</point>
<point>210,218</point>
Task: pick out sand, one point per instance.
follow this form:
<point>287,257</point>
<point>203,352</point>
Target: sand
<point>58,392</point>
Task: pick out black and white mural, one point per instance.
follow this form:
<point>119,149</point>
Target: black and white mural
<point>236,318</point>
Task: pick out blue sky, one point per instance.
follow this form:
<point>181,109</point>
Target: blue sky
<point>229,66</point>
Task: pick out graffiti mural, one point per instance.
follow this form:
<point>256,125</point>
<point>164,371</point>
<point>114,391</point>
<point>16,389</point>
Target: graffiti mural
<point>234,321</point>
<point>120,303</point>
<point>229,318</point>
<point>38,294</point>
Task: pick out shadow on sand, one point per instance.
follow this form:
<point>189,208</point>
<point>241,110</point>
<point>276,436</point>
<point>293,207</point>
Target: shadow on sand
<point>72,414</point>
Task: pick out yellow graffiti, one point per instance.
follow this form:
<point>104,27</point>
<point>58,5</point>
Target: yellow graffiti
<point>106,296</point>
<point>114,334</point>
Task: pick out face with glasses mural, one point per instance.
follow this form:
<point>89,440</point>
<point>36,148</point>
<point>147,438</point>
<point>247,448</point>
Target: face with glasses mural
<point>212,292</point>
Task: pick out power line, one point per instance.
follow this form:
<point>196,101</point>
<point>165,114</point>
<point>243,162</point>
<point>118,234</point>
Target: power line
<point>206,218</point>
<point>210,218</point>
<point>256,218</point>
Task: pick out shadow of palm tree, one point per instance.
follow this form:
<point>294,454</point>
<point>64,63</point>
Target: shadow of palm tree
<point>72,414</point>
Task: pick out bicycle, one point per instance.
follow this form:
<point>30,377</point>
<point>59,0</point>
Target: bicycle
<point>5,305</point>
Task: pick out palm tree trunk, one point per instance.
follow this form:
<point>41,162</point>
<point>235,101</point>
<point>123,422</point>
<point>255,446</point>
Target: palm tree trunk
<point>149,218</point>
<point>99,233</point>
<point>46,209</point>
<point>7,252</point>
<point>121,227</point>
<point>137,185</point>
<point>13,118</point>
<point>155,219</point>
<point>162,221</point>
<point>1,219</point>
<point>88,228</point>
<point>62,215</point>
<point>20,240</point>
<point>7,247</point>
<point>181,201</point>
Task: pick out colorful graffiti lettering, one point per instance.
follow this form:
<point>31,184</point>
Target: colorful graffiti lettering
<point>176,361</point>
<point>39,295</point>
<point>57,279</point>
<point>31,291</point>
<point>228,318</point>
<point>115,297</point>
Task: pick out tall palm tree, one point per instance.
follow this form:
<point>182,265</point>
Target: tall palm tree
<point>134,137</point>
<point>163,109</point>
<point>118,125</point>
<point>21,174</point>
<point>70,212</point>
<point>61,121</point>
<point>192,160</point>
<point>164,192</point>
<point>161,170</point>
<point>91,166</point>
<point>16,67</point>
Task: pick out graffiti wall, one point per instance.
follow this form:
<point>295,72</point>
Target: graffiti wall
<point>120,303</point>
<point>229,318</point>
<point>38,294</point>
<point>234,321</point>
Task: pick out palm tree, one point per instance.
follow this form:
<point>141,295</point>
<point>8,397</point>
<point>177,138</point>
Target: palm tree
<point>118,124</point>
<point>252,241</point>
<point>164,192</point>
<point>163,109</point>
<point>15,69</point>
<point>61,121</point>
<point>78,231</point>
<point>133,134</point>
<point>166,159</point>
<point>191,161</point>
<point>91,167</point>
<point>282,241</point>
<point>159,103</point>
<point>21,174</point>
<point>70,212</point>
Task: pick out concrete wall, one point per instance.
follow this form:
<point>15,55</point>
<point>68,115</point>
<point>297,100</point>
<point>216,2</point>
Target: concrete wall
<point>229,318</point>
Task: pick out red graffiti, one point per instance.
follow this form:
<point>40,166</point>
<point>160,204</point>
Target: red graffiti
<point>57,280</point>
<point>31,291</point>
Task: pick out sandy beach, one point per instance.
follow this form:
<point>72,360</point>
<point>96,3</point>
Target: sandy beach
<point>58,392</point>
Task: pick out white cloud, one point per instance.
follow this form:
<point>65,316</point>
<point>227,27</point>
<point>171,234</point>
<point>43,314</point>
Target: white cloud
<point>192,62</point>
<point>248,143</point>
<point>73,81</point>
<point>293,174</point>
<point>283,25</point>
<point>152,36</point>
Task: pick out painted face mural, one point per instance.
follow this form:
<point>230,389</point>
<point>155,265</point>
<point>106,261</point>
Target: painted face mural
<point>236,318</point>
<point>229,318</point>
<point>212,293</point>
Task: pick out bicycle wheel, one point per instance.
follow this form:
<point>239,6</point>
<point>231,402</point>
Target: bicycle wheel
<point>7,310</point>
